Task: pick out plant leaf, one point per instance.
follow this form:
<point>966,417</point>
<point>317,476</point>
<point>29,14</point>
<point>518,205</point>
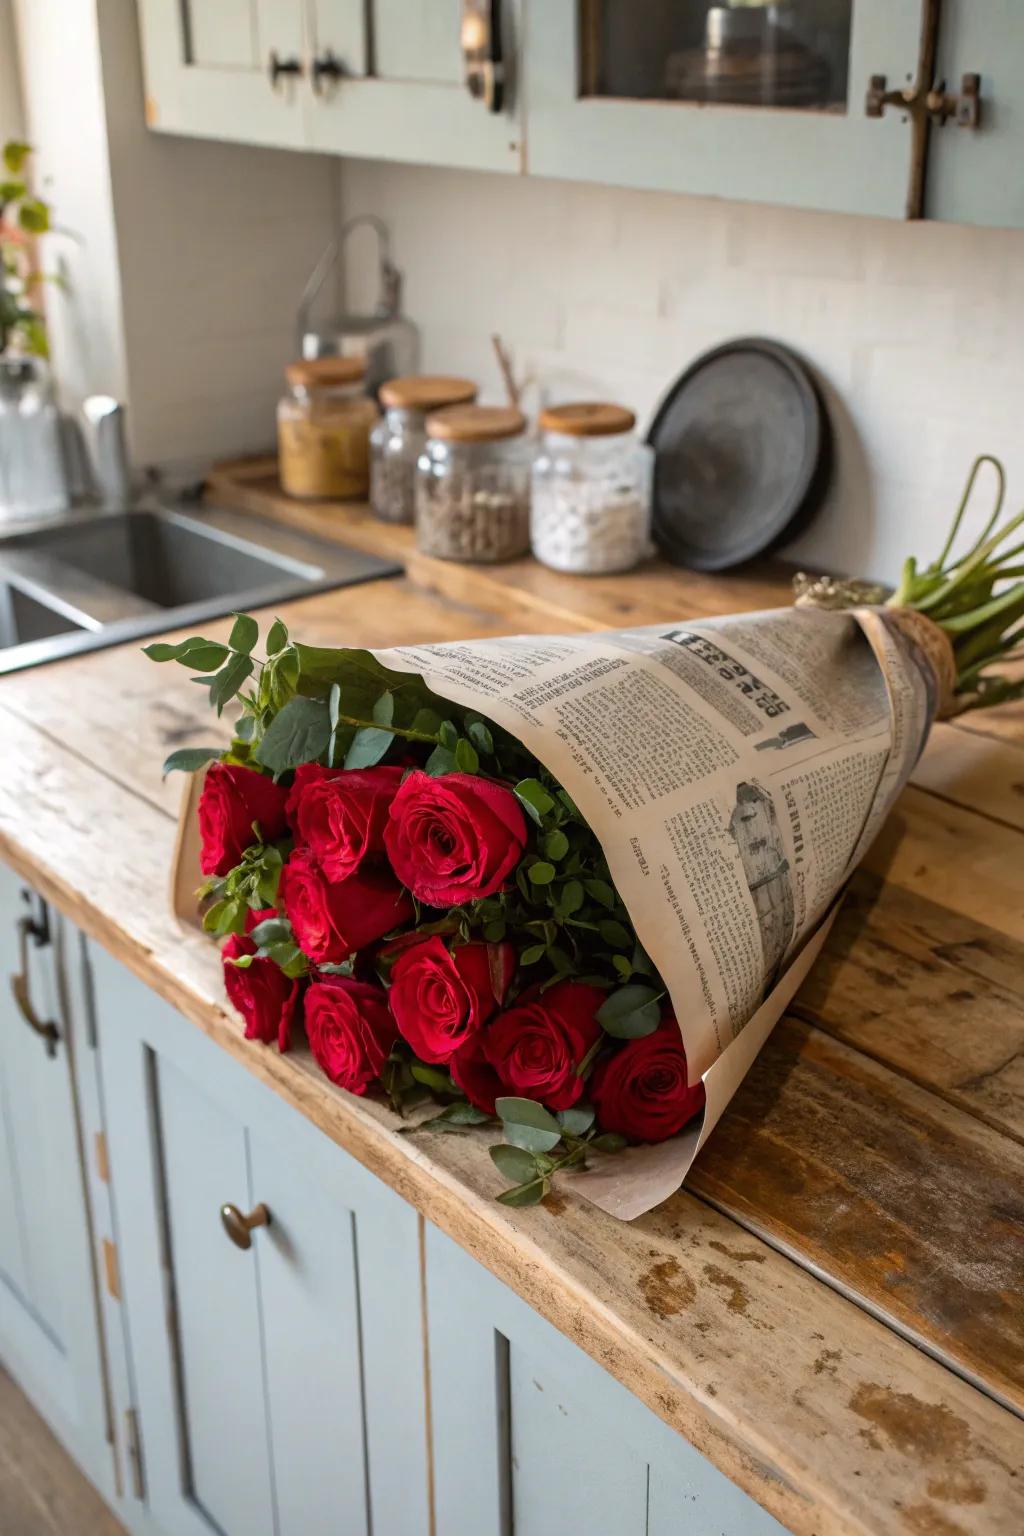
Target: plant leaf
<point>189,759</point>
<point>368,747</point>
<point>228,681</point>
<point>466,759</point>
<point>384,710</point>
<point>528,1124</point>
<point>244,633</point>
<point>540,873</point>
<point>630,1012</point>
<point>526,1194</point>
<point>15,155</point>
<point>298,734</point>
<point>556,845</point>
<point>277,637</point>
<point>577,1120</point>
<point>435,1078</point>
<point>515,1163</point>
<point>533,794</point>
<point>461,1114</point>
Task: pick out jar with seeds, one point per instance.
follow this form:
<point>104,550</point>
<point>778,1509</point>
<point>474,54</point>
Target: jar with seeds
<point>400,436</point>
<point>591,490</point>
<point>473,485</point>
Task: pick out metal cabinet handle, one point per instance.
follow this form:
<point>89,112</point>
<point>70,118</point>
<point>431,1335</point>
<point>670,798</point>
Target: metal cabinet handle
<point>326,66</point>
<point>239,1227</point>
<point>483,62</point>
<point>276,67</point>
<point>45,1028</point>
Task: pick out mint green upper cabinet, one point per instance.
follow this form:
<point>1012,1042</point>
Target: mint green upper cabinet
<point>975,178</point>
<point>413,104</point>
<point>209,65</point>
<point>756,102</point>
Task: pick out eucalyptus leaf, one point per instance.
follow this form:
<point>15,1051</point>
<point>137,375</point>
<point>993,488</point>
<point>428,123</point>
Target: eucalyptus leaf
<point>525,1194</point>
<point>448,735</point>
<point>540,873</point>
<point>556,845</point>
<point>298,734</point>
<point>630,1012</point>
<point>577,1120</point>
<point>532,953</point>
<point>384,710</point>
<point>514,1162</point>
<point>440,761</point>
<point>435,1078</point>
<point>601,891</point>
<point>533,794</point>
<point>481,737</point>
<point>456,1115</point>
<point>528,1124</point>
<point>466,759</point>
<point>609,1141</point>
<point>615,934</point>
<point>277,637</point>
<point>368,746</point>
<point>190,759</point>
<point>273,930</point>
<point>228,681</point>
<point>244,633</point>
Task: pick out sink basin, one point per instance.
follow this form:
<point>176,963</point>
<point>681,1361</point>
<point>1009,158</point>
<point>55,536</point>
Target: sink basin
<point>100,579</point>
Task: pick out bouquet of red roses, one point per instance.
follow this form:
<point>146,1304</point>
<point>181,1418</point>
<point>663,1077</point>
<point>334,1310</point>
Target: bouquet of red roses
<point>567,884</point>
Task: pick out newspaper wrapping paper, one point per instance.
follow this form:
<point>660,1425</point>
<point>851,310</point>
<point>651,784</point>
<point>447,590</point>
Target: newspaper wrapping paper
<point>735,771</point>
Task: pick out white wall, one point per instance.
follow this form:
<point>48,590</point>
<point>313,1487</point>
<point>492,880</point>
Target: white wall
<point>189,257</point>
<point>11,117</point>
<point>916,331</point>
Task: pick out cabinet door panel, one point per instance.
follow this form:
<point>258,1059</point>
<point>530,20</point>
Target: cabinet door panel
<point>216,1307</point>
<point>339,27</point>
<point>222,32</point>
<point>310,1303</point>
<point>419,42</point>
<point>534,1437</point>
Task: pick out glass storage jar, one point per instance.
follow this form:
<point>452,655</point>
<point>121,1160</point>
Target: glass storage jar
<point>323,429</point>
<point>400,436</point>
<point>590,490</point>
<point>473,485</point>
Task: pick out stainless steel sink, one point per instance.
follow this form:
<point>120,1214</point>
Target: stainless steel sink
<point>101,578</point>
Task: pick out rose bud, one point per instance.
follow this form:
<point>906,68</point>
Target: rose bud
<point>262,993</point>
<point>340,813</point>
<point>440,997</point>
<point>536,1045</point>
<point>454,837</point>
<point>350,1030</point>
<point>330,921</point>
<point>233,798</point>
<point>472,1072</point>
<point>641,1092</point>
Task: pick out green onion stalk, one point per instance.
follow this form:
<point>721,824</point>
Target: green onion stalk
<point>975,597</point>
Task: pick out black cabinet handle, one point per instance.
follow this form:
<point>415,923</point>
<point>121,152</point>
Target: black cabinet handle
<point>44,1028</point>
<point>326,66</point>
<point>277,67</point>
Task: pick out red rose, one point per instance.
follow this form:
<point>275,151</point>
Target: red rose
<point>330,921</point>
<point>473,1073</point>
<point>340,813</point>
<point>350,1030</point>
<point>454,837</point>
<point>641,1091</point>
<point>262,993</point>
<point>536,1046</point>
<point>233,798</point>
<point>440,997</point>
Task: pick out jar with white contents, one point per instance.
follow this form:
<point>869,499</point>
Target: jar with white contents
<point>591,490</point>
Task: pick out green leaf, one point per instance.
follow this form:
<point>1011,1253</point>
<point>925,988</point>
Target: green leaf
<point>334,705</point>
<point>494,931</point>
<point>273,930</point>
<point>384,710</point>
<point>515,1163</point>
<point>570,898</point>
<point>15,155</point>
<point>577,1120</point>
<point>556,845</point>
<point>244,633</point>
<point>533,795</point>
<point>532,954</point>
<point>207,658</point>
<point>481,737</point>
<point>435,1078</point>
<point>526,1194</point>
<point>540,873</point>
<point>615,934</point>
<point>228,681</point>
<point>160,650</point>
<point>630,1012</point>
<point>601,891</point>
<point>189,759</point>
<point>622,966</point>
<point>34,216</point>
<point>440,761</point>
<point>448,735</point>
<point>298,734</point>
<point>427,722</point>
<point>609,1141</point>
<point>528,1124</point>
<point>368,747</point>
<point>466,759</point>
<point>284,677</point>
<point>10,191</point>
<point>277,638</point>
<point>460,1114</point>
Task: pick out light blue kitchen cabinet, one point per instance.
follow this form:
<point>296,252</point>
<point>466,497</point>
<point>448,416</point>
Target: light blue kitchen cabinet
<point>49,1336</point>
<point>383,80</point>
<point>974,178</point>
<point>279,1385</point>
<point>532,1437</point>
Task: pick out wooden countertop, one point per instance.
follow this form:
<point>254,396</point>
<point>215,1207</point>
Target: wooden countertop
<point>832,1309</point>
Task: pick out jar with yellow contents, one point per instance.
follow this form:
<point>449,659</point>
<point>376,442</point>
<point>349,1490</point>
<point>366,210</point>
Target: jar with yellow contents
<point>323,430</point>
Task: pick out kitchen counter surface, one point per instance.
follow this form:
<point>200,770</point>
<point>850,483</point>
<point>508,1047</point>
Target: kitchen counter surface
<point>832,1310</point>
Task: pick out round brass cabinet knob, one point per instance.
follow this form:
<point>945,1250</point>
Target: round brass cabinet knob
<point>239,1227</point>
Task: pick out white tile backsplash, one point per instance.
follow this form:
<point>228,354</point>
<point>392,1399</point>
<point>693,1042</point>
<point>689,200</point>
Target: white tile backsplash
<point>916,331</point>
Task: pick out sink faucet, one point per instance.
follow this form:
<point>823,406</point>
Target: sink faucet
<point>108,452</point>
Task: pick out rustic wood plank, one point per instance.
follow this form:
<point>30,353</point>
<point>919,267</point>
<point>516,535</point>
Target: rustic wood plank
<point>819,1411</point>
<point>903,1201</point>
<point>42,1492</point>
<point>983,773</point>
<point>936,995</point>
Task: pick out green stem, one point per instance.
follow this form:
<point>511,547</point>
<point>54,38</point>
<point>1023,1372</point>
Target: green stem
<point>983,458</point>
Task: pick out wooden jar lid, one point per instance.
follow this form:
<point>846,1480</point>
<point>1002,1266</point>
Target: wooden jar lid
<point>587,419</point>
<point>324,372</point>
<point>426,392</point>
<point>476,423</point>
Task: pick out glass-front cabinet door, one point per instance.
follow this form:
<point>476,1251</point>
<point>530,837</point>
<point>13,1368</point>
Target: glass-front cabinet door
<point>756,99</point>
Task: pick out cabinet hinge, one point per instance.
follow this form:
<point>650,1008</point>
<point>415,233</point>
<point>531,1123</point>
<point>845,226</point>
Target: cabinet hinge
<point>102,1157</point>
<point>134,1445</point>
<point>110,1269</point>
